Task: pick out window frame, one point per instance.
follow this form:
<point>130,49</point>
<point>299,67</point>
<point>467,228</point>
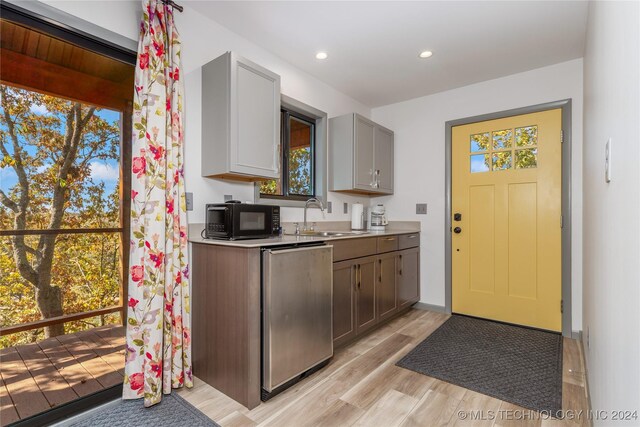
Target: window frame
<point>319,162</point>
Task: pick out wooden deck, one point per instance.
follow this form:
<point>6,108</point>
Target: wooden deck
<point>39,376</point>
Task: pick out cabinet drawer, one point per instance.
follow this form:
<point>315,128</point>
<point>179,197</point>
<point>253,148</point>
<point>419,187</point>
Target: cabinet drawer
<point>353,248</point>
<point>387,244</point>
<point>406,241</point>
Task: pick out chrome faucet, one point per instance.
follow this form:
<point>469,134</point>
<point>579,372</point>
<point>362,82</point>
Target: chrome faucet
<point>311,201</point>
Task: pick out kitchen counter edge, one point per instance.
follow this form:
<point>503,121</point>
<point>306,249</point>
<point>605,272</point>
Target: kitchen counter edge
<point>287,239</point>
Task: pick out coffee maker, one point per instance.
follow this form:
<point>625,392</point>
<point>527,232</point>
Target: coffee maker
<point>378,219</point>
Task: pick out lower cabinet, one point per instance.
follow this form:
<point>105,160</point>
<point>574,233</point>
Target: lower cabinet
<point>408,279</point>
<point>386,298</point>
<point>345,274</point>
<point>368,290</point>
<point>366,314</point>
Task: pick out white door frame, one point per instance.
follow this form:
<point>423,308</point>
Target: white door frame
<point>565,106</point>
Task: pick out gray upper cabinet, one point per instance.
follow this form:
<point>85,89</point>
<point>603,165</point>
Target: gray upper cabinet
<point>240,120</point>
<point>361,156</point>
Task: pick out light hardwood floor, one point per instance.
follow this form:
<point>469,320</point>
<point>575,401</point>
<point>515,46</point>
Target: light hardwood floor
<point>363,387</point>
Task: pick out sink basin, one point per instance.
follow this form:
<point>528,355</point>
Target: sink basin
<point>327,233</point>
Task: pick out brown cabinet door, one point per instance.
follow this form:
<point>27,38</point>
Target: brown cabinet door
<point>386,298</point>
<point>344,283</point>
<point>366,294</point>
<point>408,277</point>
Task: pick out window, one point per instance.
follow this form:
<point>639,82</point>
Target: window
<point>303,157</point>
<point>297,159</point>
<point>495,151</point>
<point>65,132</point>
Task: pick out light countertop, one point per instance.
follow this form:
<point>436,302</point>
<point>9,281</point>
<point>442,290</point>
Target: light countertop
<point>392,229</point>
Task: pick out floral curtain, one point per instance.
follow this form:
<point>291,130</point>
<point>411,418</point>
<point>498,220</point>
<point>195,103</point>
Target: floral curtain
<point>158,323</point>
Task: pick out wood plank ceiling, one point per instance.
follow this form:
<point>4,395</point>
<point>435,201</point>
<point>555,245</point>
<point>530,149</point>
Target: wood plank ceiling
<point>36,61</point>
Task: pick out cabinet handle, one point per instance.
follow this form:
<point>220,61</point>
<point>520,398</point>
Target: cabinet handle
<point>359,276</point>
<point>401,264</point>
<point>380,276</point>
<point>413,236</point>
<point>378,178</point>
<point>389,239</point>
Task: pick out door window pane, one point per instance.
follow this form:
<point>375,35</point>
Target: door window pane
<point>526,136</point>
<point>502,139</point>
<point>527,158</point>
<point>501,160</point>
<point>479,163</point>
<point>480,142</point>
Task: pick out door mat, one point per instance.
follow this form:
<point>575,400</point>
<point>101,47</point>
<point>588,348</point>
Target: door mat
<point>515,364</point>
<point>172,411</point>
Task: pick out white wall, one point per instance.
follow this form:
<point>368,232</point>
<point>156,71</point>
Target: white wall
<point>419,126</point>
<point>418,123</point>
<point>612,210</point>
<point>202,41</point>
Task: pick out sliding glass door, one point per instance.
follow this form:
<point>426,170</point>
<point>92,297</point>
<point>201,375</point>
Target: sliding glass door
<point>65,118</point>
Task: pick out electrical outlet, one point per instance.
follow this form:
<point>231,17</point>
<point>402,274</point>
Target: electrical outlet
<point>228,197</point>
<point>421,208</point>
<point>189,200</point>
<point>346,208</point>
<point>329,207</point>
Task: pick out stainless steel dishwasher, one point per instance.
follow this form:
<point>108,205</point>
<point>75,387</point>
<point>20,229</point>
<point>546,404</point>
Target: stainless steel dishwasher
<point>297,318</point>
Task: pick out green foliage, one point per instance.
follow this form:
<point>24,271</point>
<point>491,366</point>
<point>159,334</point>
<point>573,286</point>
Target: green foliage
<point>300,171</point>
<point>299,180</point>
<point>85,267</point>
<point>271,187</point>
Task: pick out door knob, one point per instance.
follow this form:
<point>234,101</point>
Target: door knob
<point>457,230</point>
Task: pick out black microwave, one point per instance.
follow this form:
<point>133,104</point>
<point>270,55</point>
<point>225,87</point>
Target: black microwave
<point>233,221</point>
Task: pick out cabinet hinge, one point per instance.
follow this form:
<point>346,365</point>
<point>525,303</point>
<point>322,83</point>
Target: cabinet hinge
<point>561,136</point>
<point>561,306</point>
<point>561,221</point>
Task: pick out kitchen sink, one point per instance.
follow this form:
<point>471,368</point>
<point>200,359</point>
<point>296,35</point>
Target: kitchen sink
<point>328,233</point>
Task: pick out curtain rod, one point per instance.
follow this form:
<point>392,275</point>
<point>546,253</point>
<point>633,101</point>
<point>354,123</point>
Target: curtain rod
<point>173,4</point>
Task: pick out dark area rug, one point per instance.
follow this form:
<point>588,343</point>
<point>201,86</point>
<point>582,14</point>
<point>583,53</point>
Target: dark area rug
<point>172,411</point>
<point>515,364</point>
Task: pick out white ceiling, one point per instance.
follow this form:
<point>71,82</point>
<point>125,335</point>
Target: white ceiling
<point>373,46</point>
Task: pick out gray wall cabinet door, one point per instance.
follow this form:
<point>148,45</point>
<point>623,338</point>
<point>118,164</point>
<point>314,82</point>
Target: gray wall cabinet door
<point>384,160</point>
<point>240,119</point>
<point>408,277</point>
<point>363,154</point>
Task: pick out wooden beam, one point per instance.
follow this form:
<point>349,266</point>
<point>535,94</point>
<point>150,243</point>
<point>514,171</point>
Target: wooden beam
<point>57,320</point>
<point>42,76</point>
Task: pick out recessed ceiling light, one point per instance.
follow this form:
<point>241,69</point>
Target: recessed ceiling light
<point>322,55</point>
<point>426,54</point>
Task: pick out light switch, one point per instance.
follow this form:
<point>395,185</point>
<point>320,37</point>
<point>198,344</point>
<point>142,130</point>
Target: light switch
<point>189,200</point>
<point>607,161</point>
<point>228,197</point>
<point>421,208</point>
<point>329,207</point>
<point>346,208</point>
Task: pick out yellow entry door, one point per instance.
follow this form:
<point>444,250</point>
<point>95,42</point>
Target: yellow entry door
<point>506,223</point>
